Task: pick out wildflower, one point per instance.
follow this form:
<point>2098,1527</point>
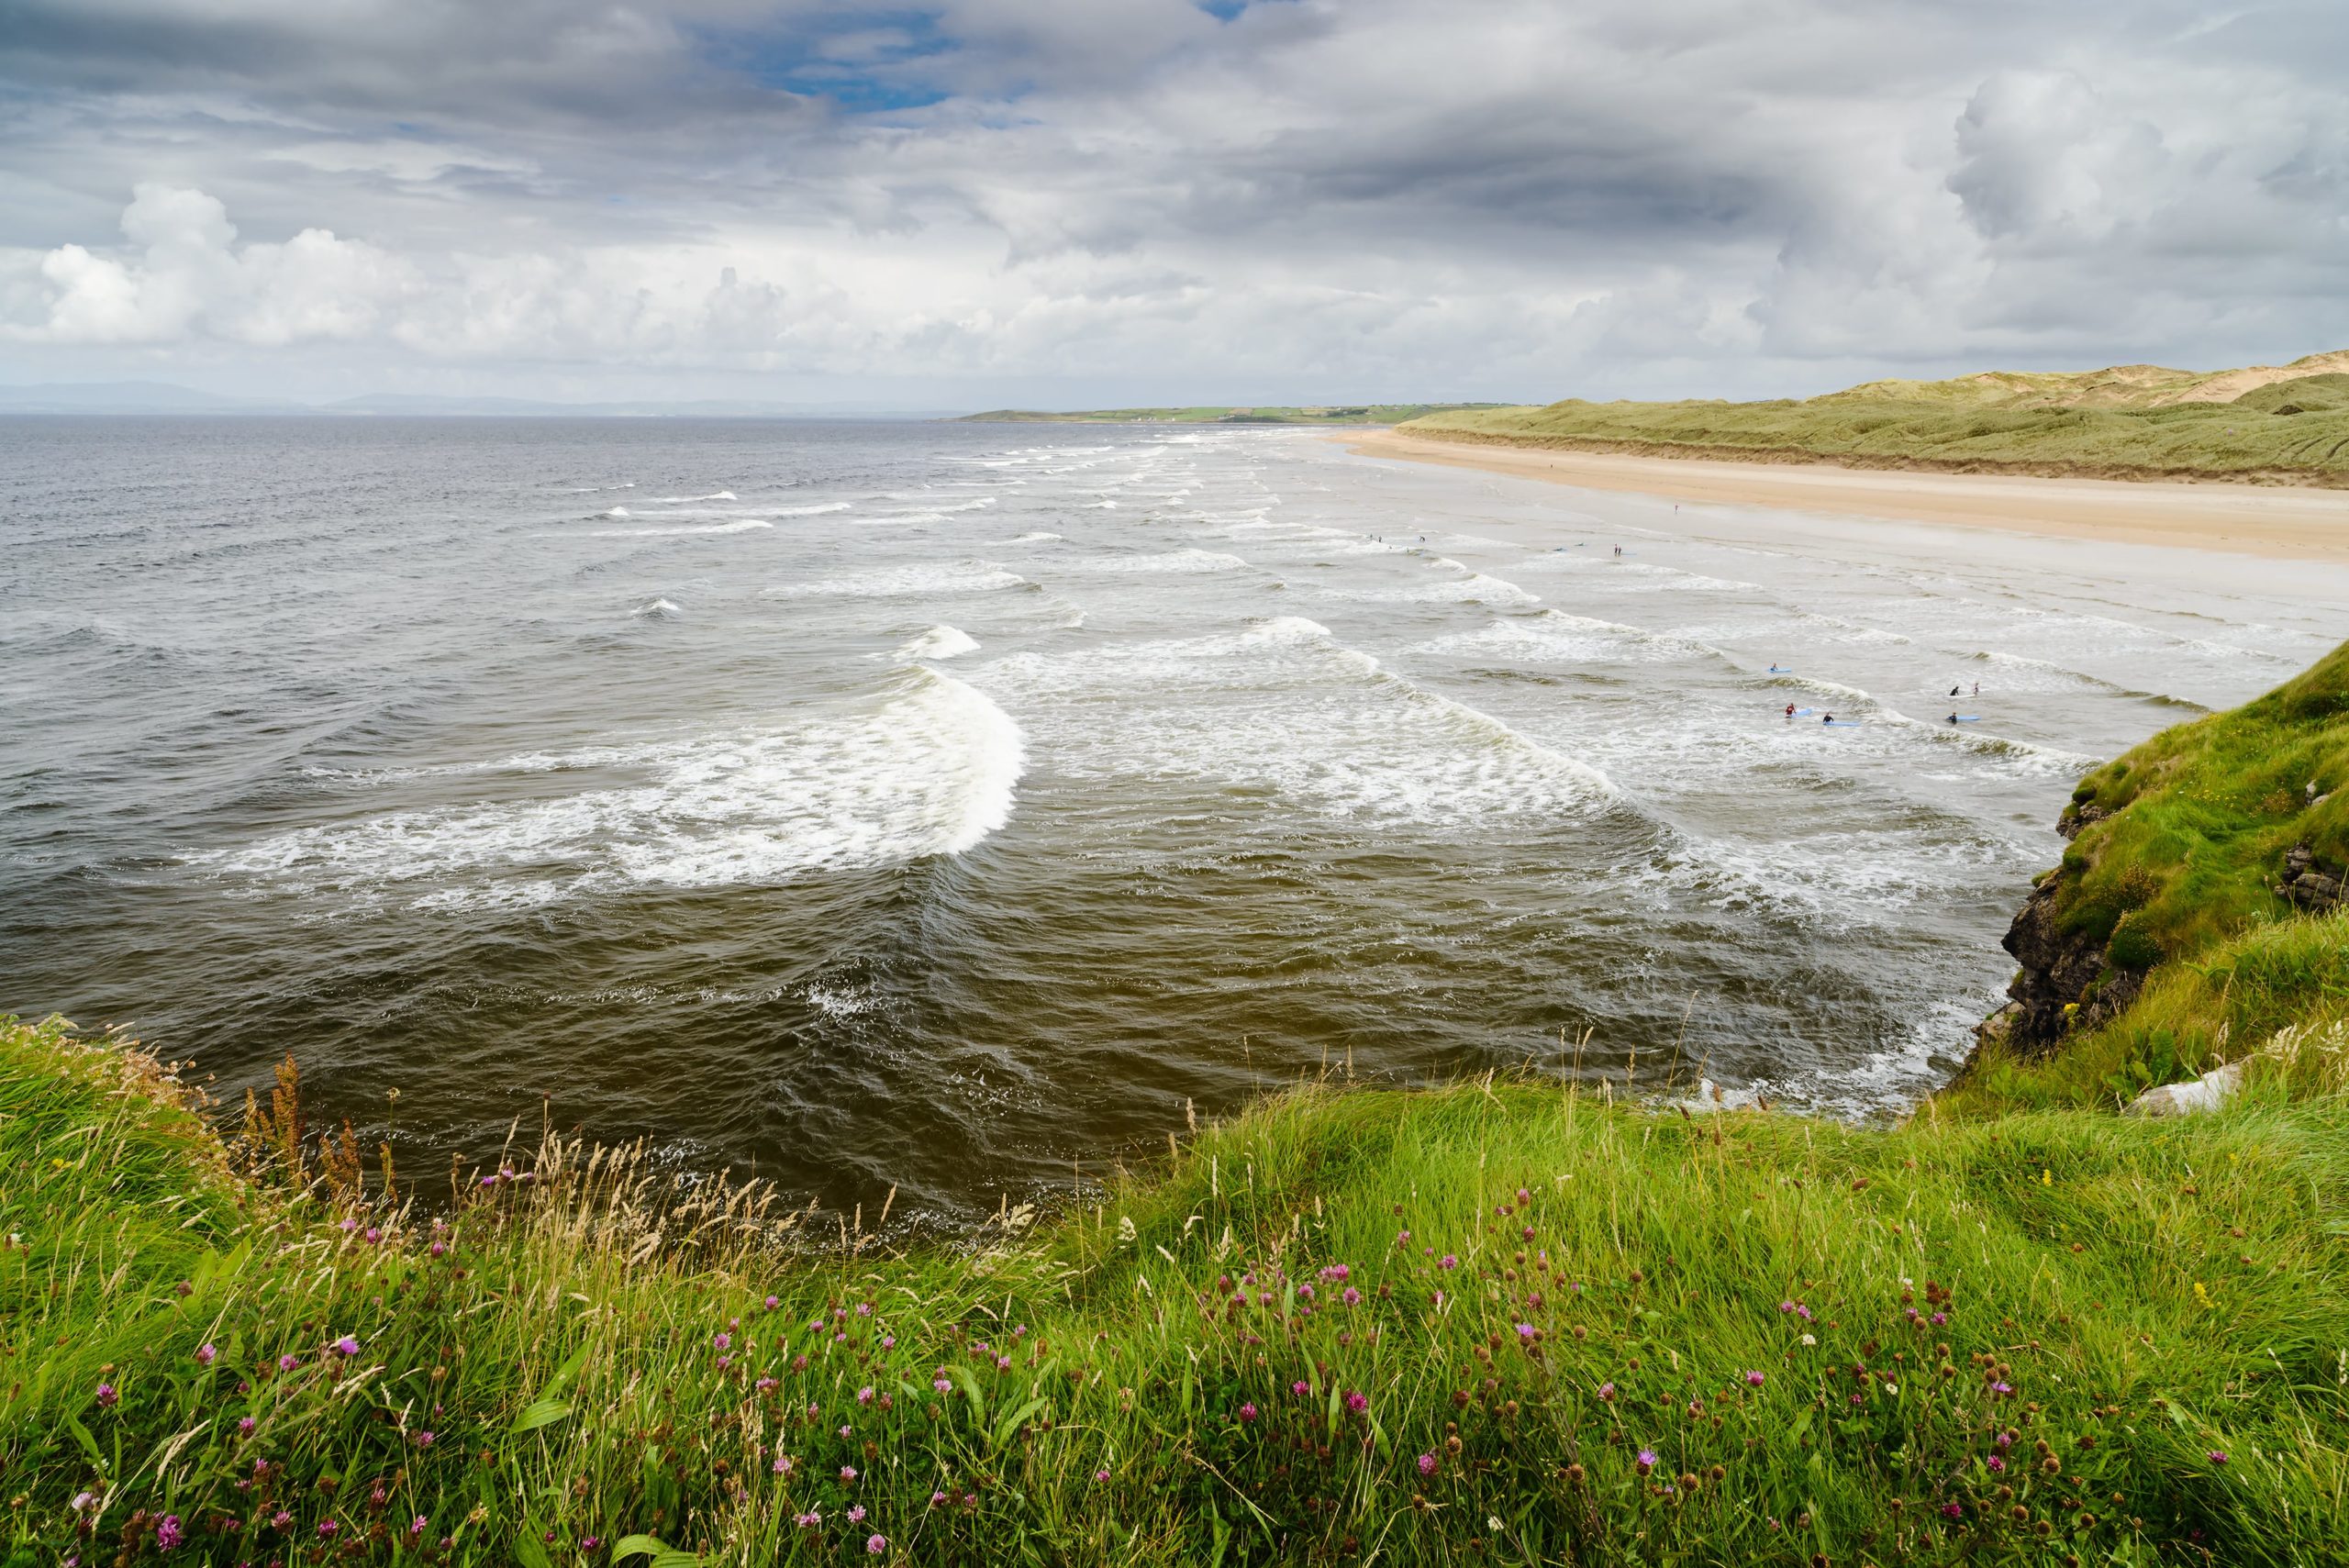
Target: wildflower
<point>864,1309</point>
<point>2218,1457</point>
<point>1754,1380</point>
<point>938,1497</point>
<point>1402,1238</point>
<point>84,1502</point>
<point>2002,1388</point>
<point>1351,1298</point>
<point>1810,1339</point>
<point>1448,1262</point>
<point>1427,1464</point>
<point>877,1544</point>
<point>373,1235</point>
<point>1525,1333</point>
<point>888,1341</point>
<point>856,1515</point>
<point>168,1533</point>
<point>1940,1318</point>
<point>437,1249</point>
<point>1357,1403</point>
<point>415,1526</point>
<point>1100,1476</point>
<point>1996,1464</point>
<point>848,1472</point>
<point>423,1439</point>
<point>773,1303</point>
<point>244,1426</point>
<point>1003,1363</point>
<point>280,1520</point>
<point>590,1543</point>
<point>106,1395</point>
<point>764,1385</point>
<point>1647,1459</point>
<point>942,1383</point>
<point>865,1395</point>
<point>845,1433</point>
<point>1299,1388</point>
<point>204,1354</point>
<point>1606,1391</point>
<point>1786,1307</point>
<point>1953,1510</point>
<point>1248,1412</point>
<point>783,1464</point>
<point>1524,1197</point>
<point>288,1362</point>
<point>722,1342</point>
<point>329,1530</point>
<point>810,1519</point>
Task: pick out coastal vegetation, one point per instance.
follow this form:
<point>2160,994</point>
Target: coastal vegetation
<point>2286,425</point>
<point>1326,414</point>
<point>1502,1321</point>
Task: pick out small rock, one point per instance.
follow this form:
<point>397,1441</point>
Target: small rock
<point>2207,1093</point>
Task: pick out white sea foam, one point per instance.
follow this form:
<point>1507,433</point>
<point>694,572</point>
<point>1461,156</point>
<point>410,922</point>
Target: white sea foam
<point>1179,562</point>
<point>928,767</point>
<point>815,511</point>
<point>1037,537</point>
<point>739,526</point>
<point>1285,706</point>
<point>657,610</point>
<point>941,641</point>
<point>689,500</point>
<point>890,582</point>
<point>618,512</point>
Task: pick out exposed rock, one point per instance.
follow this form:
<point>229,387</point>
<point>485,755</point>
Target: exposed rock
<point>2077,817</point>
<point>2310,884</point>
<point>2207,1093</point>
<point>2065,980</point>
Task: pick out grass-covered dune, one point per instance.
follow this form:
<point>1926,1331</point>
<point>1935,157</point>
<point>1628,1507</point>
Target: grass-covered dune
<point>1504,1322</point>
<point>2274,425</point>
<point>1223,414</point>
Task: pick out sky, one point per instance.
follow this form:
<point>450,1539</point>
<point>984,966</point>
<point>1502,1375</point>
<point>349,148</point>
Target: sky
<point>1082,203</point>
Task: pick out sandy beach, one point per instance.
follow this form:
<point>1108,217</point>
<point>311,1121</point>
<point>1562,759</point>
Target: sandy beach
<point>2243,520</point>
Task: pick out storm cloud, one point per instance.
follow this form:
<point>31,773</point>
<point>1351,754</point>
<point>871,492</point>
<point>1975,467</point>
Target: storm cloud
<point>988,200</point>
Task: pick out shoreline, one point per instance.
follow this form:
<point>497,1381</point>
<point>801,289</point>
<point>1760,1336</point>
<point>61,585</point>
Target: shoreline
<point>2283,523</point>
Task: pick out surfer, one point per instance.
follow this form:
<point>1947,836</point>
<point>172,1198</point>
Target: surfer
<point>1952,691</point>
<point>1977,688</point>
<point>1953,719</point>
<point>1790,710</point>
<point>1828,720</point>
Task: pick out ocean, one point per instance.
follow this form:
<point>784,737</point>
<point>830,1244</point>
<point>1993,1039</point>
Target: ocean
<point>961,808</point>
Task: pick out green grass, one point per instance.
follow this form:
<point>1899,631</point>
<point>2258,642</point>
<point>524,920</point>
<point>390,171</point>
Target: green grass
<point>2185,838</point>
<point>2100,1307</point>
<point>2294,431</point>
<point>1333,414</point>
<point>2193,824</point>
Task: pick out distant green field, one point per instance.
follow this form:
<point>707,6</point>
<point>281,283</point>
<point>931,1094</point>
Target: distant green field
<point>1332,414</point>
<point>2135,422</point>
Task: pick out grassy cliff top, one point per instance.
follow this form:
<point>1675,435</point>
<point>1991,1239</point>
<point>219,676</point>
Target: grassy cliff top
<point>2268,424</point>
<point>1500,1322</point>
<point>2179,847</point>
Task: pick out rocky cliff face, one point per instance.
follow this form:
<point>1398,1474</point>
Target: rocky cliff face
<point>2065,979</point>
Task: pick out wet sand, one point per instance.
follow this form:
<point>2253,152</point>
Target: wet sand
<point>2244,519</point>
